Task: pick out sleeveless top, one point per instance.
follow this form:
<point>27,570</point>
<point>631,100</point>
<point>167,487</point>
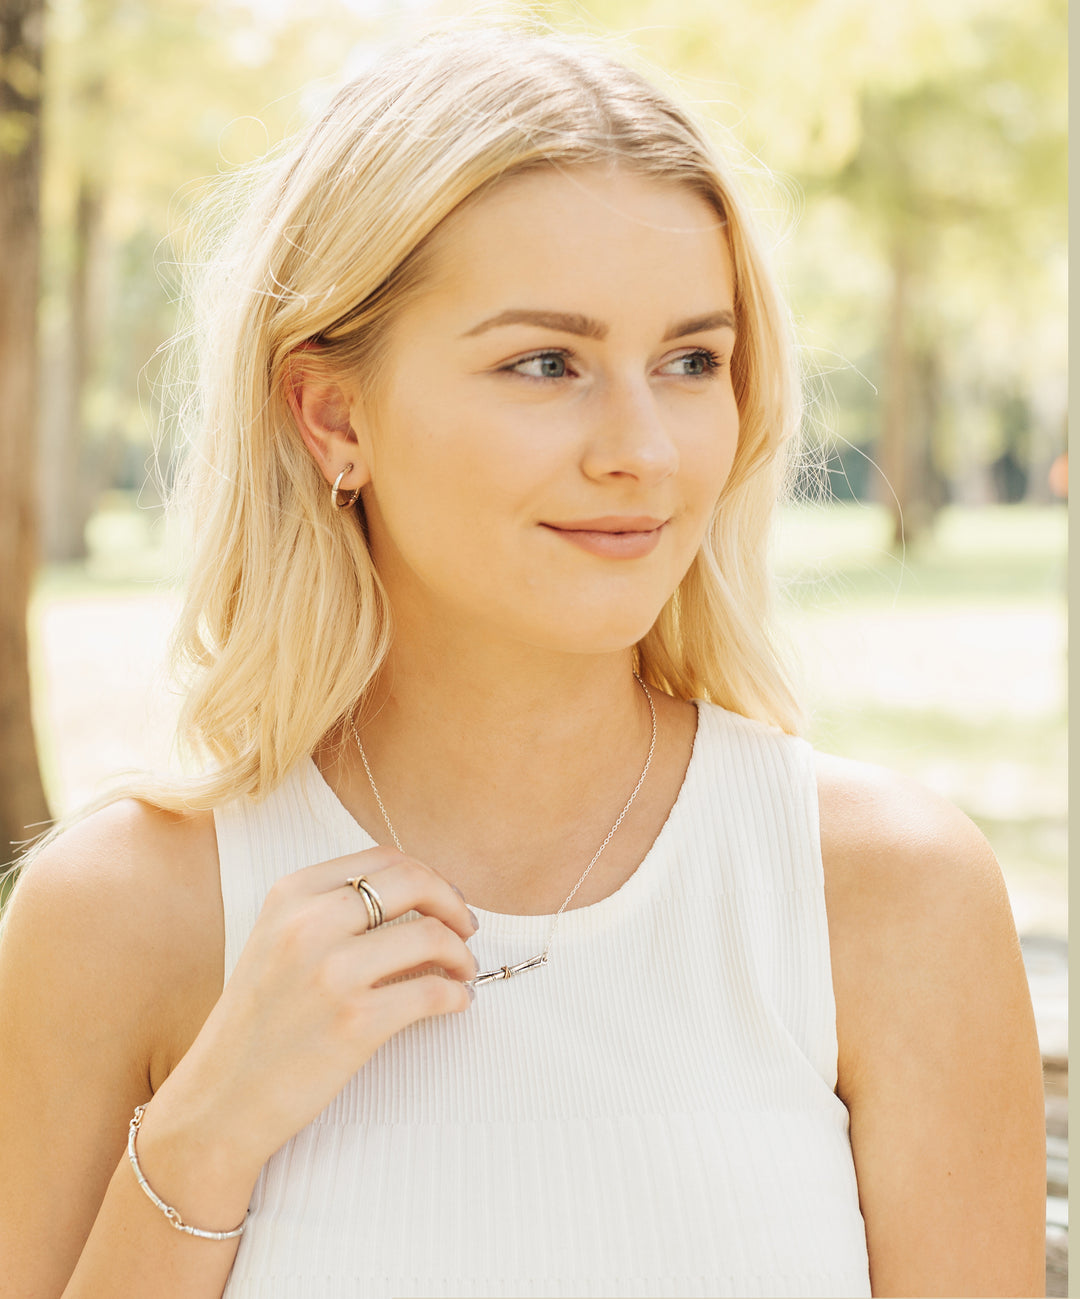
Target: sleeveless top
<point>652,1113</point>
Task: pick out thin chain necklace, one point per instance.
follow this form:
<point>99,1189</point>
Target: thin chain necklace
<point>508,971</point>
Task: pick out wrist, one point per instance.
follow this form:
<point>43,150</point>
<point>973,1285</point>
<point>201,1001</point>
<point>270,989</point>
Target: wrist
<point>196,1171</point>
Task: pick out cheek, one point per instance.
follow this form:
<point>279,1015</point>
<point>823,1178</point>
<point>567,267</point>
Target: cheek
<point>445,486</point>
<point>490,460</point>
<point>714,451</point>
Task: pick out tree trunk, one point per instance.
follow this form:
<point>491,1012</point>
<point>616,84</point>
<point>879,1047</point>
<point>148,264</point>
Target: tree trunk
<point>930,487</point>
<point>69,477</point>
<point>23,808</point>
<point>897,446</point>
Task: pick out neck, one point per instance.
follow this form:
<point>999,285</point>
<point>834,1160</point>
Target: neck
<point>483,740</point>
<point>505,780</point>
<point>473,705</point>
<point>461,687</point>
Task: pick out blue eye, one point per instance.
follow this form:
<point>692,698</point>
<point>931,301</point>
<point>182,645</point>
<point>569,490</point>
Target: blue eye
<point>544,365</point>
<point>696,365</point>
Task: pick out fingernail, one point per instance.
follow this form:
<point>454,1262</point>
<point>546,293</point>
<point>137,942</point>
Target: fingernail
<point>471,991</point>
<point>458,892</point>
<point>472,917</point>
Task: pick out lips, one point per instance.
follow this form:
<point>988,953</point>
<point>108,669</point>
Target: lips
<point>613,536</point>
<point>611,523</point>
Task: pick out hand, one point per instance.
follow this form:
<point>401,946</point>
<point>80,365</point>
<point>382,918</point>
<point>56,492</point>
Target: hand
<point>308,1005</point>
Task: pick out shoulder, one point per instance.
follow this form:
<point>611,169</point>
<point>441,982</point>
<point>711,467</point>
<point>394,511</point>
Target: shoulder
<point>866,807</point>
<point>915,898</point>
<point>896,854</point>
<point>886,838</point>
<point>121,914</point>
<point>128,867</point>
<point>938,1060</point>
<point>109,956</point>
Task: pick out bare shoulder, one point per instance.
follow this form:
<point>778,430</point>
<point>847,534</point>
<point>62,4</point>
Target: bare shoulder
<point>873,818</point>
<point>913,891</point>
<point>938,1058</point>
<point>111,956</point>
<point>129,901</point>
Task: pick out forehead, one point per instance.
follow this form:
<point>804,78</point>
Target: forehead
<point>582,237</point>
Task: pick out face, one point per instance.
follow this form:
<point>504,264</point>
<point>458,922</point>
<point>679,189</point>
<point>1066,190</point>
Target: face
<point>556,419</point>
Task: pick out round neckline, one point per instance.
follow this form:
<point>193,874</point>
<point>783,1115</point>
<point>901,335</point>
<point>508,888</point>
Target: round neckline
<point>573,917</point>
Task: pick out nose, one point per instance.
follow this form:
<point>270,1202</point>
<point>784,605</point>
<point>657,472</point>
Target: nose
<point>629,436</point>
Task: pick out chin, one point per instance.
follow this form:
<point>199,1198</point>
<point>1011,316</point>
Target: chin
<point>588,635</point>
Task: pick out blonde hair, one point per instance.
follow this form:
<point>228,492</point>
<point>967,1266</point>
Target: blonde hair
<point>285,623</point>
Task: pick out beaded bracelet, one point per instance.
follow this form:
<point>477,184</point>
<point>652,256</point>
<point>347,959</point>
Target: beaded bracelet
<point>167,1209</point>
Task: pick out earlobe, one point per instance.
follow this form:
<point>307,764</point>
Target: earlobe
<point>323,413</point>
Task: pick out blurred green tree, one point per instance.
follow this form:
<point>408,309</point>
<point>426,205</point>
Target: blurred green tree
<point>22,798</point>
<point>72,477</point>
<point>148,104</point>
<point>922,148</point>
<point>972,144</point>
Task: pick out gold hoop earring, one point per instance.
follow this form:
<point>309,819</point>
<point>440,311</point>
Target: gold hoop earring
<point>338,500</point>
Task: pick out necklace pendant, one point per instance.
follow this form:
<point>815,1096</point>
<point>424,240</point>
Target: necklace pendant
<point>508,971</point>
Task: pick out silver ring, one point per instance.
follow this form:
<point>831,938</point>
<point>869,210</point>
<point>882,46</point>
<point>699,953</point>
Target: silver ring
<point>373,897</point>
<point>372,901</point>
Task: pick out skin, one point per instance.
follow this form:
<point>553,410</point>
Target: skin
<point>460,473</point>
<point>508,688</point>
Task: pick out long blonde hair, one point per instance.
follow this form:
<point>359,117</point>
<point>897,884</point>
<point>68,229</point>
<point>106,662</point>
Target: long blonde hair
<point>285,622</point>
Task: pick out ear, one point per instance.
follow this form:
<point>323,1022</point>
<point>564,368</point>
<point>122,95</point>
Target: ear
<point>325,412</point>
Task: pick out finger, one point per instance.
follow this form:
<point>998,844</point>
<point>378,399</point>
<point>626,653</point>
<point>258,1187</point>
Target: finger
<point>402,884</point>
<point>403,1003</point>
<point>326,875</point>
<point>407,885</point>
<point>415,945</point>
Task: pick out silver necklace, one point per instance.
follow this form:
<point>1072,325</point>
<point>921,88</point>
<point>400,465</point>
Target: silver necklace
<point>508,971</point>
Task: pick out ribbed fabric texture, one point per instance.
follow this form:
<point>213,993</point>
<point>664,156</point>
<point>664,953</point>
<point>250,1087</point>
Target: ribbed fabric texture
<point>650,1114</point>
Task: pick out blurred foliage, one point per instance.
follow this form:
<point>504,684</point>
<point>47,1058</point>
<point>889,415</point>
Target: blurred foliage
<point>836,557</point>
<point>925,137</point>
<point>947,664</point>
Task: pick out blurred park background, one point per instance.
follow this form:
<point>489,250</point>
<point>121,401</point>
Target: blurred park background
<point>908,160</point>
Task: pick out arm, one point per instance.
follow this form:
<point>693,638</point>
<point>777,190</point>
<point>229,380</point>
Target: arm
<point>110,996</point>
<point>938,1057</point>
<point>111,957</point>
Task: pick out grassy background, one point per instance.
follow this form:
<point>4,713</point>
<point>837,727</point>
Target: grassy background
<point>949,664</point>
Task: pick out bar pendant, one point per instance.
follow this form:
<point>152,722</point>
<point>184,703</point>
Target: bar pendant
<point>508,971</point>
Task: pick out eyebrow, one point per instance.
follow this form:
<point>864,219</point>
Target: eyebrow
<point>571,322</point>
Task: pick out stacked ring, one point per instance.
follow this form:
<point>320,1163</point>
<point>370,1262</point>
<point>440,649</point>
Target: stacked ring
<point>371,900</point>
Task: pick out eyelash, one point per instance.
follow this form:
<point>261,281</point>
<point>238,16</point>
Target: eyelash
<point>712,363</point>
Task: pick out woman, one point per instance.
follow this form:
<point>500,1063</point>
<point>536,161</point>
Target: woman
<point>498,395</point>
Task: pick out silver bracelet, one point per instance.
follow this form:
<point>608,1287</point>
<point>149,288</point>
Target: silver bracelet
<point>167,1209</point>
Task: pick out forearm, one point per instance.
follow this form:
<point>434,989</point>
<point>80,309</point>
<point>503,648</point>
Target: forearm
<point>133,1249</point>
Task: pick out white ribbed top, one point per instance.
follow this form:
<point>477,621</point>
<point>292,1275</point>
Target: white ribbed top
<point>650,1114</point>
